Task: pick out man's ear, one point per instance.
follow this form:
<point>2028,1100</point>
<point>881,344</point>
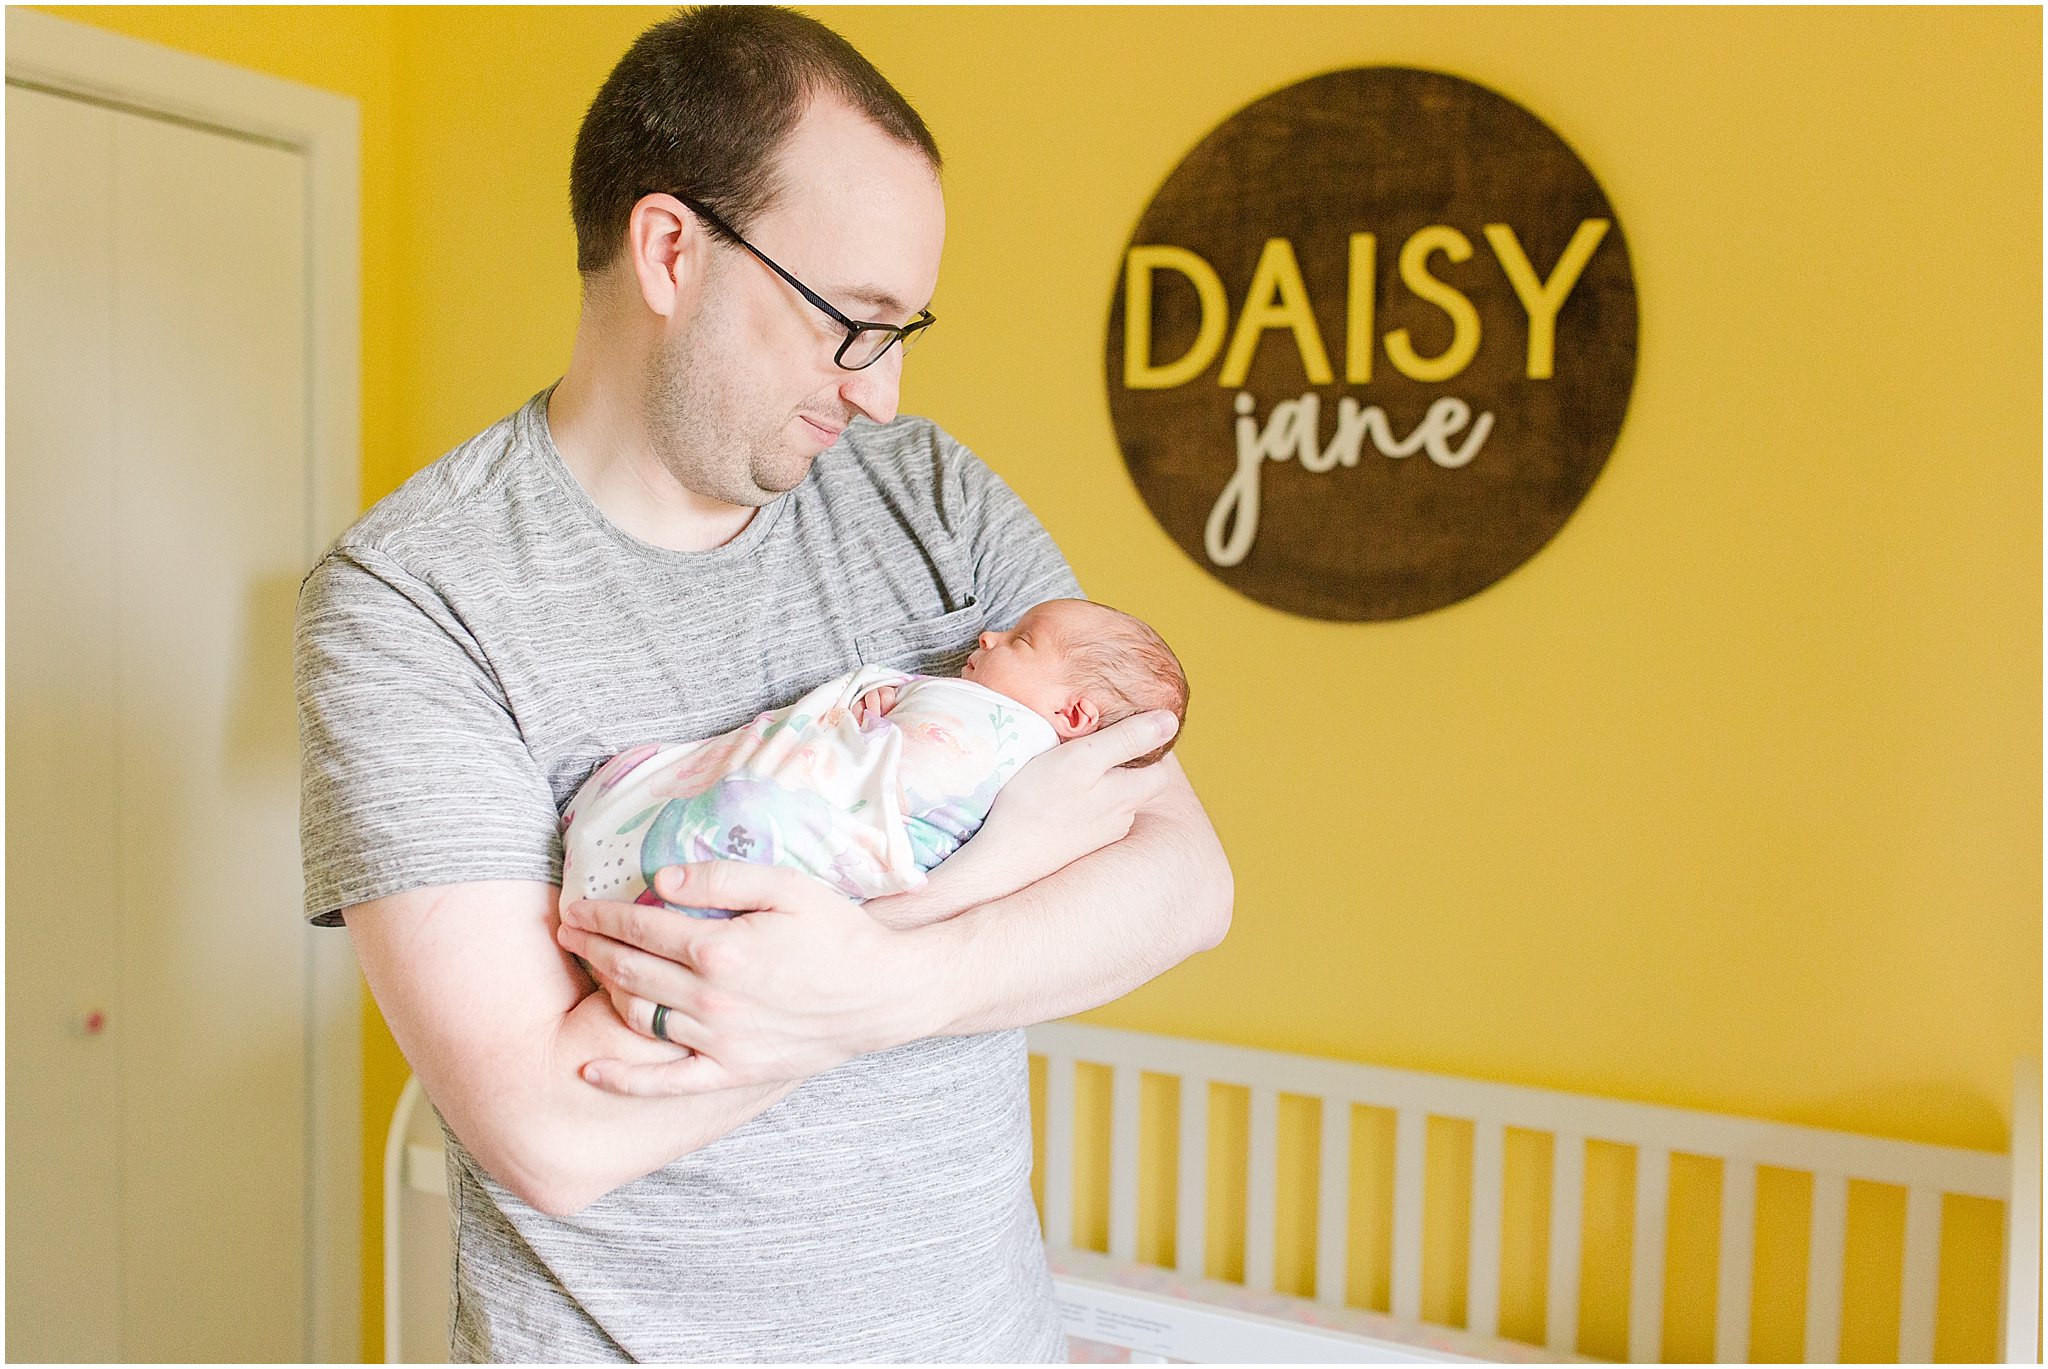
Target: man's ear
<point>1077,718</point>
<point>665,247</point>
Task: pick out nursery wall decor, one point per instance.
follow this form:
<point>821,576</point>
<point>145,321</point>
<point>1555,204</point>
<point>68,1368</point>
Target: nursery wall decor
<point>1371,343</point>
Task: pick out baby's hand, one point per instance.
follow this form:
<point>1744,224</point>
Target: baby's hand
<point>873,704</point>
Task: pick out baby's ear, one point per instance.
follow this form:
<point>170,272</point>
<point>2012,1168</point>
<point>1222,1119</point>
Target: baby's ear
<point>1078,718</point>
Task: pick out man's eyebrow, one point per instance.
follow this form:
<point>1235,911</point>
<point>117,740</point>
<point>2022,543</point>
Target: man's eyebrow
<point>879,300</point>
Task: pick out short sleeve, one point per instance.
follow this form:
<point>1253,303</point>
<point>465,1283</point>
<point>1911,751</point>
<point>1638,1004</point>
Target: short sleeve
<point>412,769</point>
<point>1016,562</point>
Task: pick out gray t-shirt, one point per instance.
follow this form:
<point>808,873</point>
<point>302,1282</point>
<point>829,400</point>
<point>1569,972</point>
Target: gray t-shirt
<point>467,654</point>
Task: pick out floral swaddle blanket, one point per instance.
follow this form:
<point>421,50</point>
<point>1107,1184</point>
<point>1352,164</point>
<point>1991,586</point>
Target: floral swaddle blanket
<point>866,810</point>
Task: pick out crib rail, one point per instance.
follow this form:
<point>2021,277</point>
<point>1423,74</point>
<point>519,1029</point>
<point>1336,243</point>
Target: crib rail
<point>408,1167</point>
<point>1655,1133</point>
<point>413,1163</point>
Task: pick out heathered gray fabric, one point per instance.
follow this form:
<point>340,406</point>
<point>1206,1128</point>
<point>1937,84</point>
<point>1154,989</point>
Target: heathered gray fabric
<point>467,654</point>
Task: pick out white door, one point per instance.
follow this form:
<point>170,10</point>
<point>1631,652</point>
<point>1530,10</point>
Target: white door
<point>157,510</point>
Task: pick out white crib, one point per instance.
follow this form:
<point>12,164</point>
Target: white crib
<point>1115,1305</point>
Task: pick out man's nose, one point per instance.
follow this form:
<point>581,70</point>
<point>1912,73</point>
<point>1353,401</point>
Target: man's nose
<point>875,391</point>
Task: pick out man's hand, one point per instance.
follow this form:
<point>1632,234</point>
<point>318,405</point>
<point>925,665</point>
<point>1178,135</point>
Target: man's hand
<point>1077,797</point>
<point>806,980</point>
<point>802,982</point>
<point>1067,803</point>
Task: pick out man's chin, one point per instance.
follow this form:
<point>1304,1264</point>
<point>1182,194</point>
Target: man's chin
<point>781,479</point>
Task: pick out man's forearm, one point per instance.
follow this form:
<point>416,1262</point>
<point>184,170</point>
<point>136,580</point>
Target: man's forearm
<point>806,979</point>
<point>498,1022</point>
<point>968,878</point>
<point>592,1142</point>
<point>1085,935</point>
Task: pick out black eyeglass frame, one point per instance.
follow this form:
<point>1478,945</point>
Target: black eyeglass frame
<point>854,327</point>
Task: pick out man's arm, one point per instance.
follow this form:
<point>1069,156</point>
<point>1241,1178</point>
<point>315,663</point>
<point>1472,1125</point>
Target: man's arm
<point>1038,827</point>
<point>807,979</point>
<point>415,766</point>
<point>1089,933</point>
<point>497,1021</point>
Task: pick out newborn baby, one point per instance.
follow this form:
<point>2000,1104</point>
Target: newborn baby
<point>871,779</point>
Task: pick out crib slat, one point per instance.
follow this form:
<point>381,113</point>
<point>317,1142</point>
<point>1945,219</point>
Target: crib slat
<point>1262,1196</point>
<point>426,1169</point>
<point>1738,1261</point>
<point>1567,1213</point>
<point>1333,1203</point>
<point>1411,1131</point>
<point>1123,1163</point>
<point>1646,1279</point>
<point>1059,1151</point>
<point>2019,1311</point>
<point>1824,1268</point>
<point>1923,1263</point>
<point>1191,1208</point>
<point>1482,1280</point>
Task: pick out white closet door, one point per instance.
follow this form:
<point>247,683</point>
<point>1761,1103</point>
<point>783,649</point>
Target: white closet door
<point>63,1225</point>
<point>157,513</point>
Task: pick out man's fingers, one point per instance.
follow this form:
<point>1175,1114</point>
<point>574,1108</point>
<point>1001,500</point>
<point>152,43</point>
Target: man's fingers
<point>734,886</point>
<point>673,1079</point>
<point>678,1028</point>
<point>614,964</point>
<point>1124,741</point>
<point>660,931</point>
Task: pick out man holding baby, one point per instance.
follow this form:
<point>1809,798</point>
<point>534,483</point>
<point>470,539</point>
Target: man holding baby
<point>825,1155</point>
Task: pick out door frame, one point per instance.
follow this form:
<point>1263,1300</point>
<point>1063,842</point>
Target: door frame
<point>82,62</point>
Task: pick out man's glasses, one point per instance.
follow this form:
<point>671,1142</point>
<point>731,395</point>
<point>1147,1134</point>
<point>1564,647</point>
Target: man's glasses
<point>865,342</point>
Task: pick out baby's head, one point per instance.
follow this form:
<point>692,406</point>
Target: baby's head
<point>1082,666</point>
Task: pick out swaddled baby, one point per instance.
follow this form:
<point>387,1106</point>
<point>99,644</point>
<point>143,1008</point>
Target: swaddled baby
<point>871,779</point>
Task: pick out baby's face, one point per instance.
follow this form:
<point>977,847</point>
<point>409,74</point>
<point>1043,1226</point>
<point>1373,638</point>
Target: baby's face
<point>1029,663</point>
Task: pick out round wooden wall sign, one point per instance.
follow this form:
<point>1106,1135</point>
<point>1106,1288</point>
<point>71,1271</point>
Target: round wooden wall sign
<point>1372,342</point>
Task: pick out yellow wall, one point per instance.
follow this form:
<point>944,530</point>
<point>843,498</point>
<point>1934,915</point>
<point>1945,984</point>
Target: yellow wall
<point>1731,797</point>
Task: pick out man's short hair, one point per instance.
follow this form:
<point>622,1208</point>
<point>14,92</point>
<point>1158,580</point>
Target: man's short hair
<point>700,104</point>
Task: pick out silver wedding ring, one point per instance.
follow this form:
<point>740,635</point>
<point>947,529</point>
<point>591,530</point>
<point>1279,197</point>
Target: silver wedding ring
<point>661,1022</point>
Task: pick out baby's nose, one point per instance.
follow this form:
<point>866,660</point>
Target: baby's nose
<point>986,640</point>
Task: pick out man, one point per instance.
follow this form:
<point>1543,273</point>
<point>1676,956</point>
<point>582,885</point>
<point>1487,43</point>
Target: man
<point>823,1153</point>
